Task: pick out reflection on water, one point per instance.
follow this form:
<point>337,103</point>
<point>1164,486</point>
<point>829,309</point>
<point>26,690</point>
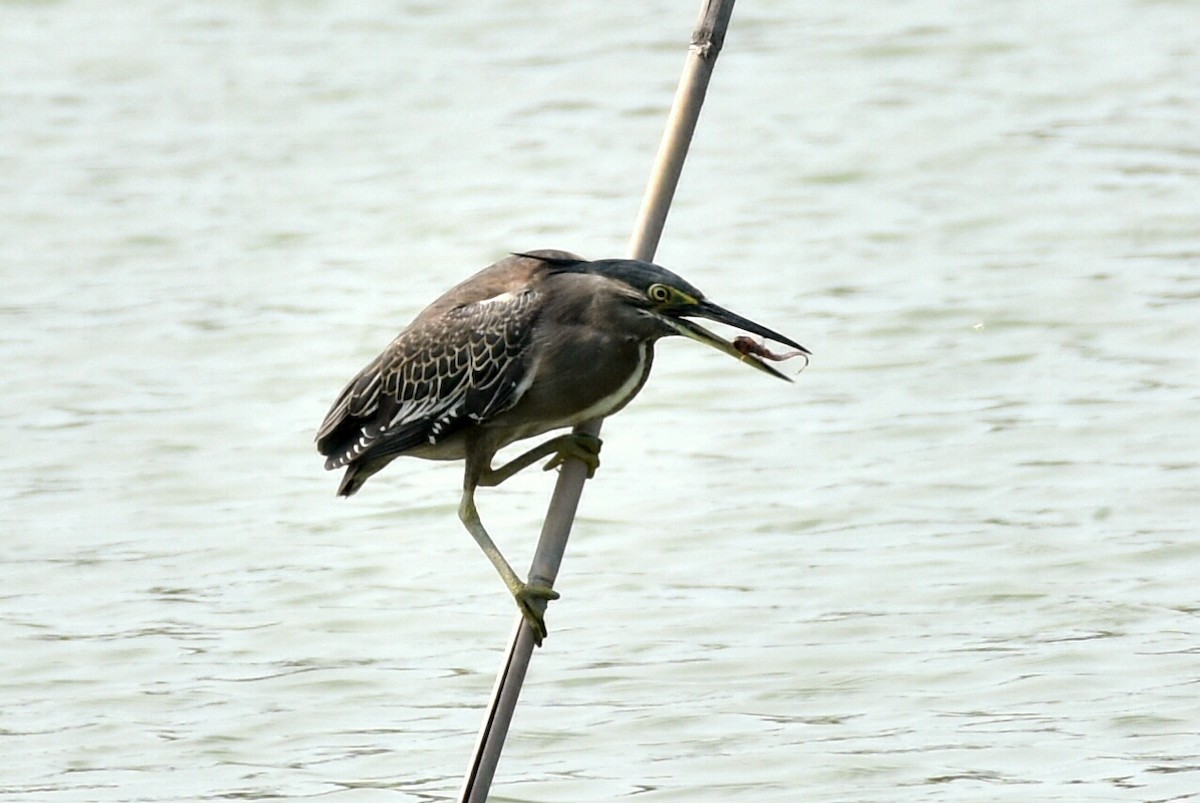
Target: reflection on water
<point>954,561</point>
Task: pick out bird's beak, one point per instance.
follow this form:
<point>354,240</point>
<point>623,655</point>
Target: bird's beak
<point>707,309</point>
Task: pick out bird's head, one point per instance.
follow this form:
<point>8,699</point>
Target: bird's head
<point>668,301</point>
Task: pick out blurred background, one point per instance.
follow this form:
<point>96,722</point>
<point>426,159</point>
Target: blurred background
<point>951,562</point>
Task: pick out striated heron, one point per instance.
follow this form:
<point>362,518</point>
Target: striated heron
<point>538,341</point>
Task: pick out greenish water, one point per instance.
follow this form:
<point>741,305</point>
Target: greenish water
<point>955,561</point>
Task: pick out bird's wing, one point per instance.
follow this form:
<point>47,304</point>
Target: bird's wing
<point>463,365</point>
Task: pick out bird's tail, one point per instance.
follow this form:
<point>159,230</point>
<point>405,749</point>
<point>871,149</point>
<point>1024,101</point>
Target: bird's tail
<point>352,480</point>
<point>359,472</point>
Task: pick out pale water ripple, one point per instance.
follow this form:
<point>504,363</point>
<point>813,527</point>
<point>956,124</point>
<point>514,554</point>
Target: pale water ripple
<point>955,561</point>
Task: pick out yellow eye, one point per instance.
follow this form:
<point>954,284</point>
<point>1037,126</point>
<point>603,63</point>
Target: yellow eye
<point>659,293</point>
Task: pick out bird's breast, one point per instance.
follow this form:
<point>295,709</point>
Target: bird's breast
<point>588,384</point>
<point>620,396</point>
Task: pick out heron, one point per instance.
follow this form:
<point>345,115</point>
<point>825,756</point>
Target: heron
<point>539,341</point>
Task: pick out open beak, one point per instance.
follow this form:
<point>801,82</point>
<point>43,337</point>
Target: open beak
<point>707,309</point>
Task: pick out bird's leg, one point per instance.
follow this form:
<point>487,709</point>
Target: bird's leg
<point>578,445</point>
<point>526,595</point>
<point>530,599</point>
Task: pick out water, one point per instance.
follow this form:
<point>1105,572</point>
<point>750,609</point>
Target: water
<point>954,561</point>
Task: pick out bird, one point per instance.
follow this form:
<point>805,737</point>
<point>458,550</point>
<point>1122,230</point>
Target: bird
<point>540,340</point>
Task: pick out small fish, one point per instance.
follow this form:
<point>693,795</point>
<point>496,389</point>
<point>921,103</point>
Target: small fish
<point>751,347</point>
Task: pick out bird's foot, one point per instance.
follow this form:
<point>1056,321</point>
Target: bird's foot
<point>580,446</point>
<point>531,600</point>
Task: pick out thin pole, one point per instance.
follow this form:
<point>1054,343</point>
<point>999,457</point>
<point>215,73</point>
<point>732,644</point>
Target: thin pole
<point>707,39</point>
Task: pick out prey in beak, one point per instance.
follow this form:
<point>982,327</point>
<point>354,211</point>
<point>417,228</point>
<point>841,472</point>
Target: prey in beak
<point>745,349</point>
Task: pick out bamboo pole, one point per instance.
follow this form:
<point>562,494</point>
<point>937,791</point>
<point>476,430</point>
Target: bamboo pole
<point>707,39</point>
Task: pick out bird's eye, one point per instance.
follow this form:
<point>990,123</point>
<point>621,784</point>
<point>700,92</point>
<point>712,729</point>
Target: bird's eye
<point>659,293</point>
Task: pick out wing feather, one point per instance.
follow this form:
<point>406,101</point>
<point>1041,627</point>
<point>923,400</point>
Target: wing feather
<point>464,365</point>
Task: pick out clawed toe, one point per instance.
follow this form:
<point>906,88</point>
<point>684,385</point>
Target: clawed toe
<point>582,447</point>
<point>532,602</point>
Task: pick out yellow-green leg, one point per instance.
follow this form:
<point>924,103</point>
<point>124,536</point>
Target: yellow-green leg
<point>524,594</point>
<point>530,599</point>
<point>574,444</point>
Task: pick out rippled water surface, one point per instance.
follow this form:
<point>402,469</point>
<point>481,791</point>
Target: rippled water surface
<point>956,560</point>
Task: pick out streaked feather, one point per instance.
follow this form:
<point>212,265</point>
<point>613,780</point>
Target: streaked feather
<point>443,371</point>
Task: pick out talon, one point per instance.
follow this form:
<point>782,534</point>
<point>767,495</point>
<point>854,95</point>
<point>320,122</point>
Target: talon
<point>582,447</point>
<point>527,597</point>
